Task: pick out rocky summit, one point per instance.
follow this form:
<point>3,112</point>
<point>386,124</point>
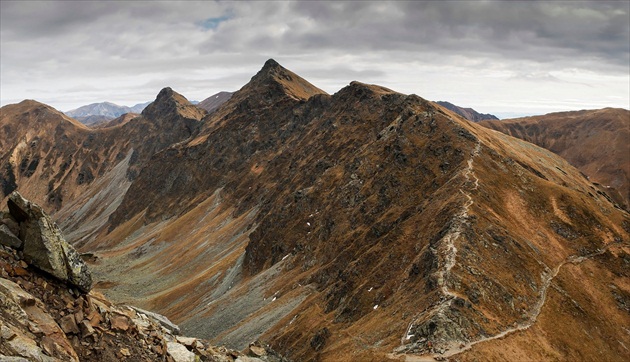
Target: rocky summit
<point>361,225</point>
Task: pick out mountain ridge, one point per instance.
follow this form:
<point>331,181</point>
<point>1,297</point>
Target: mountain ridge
<point>602,132</point>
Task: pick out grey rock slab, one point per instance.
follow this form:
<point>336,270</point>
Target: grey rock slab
<point>9,239</point>
<point>44,245</point>
<point>162,320</point>
<point>179,352</point>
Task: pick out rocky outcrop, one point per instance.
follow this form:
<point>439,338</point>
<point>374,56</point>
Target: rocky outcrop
<point>43,244</point>
<point>42,320</point>
<point>27,330</point>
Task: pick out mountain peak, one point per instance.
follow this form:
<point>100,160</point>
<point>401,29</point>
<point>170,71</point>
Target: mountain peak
<point>38,111</point>
<point>271,63</point>
<point>274,79</point>
<point>168,94</point>
<point>169,102</point>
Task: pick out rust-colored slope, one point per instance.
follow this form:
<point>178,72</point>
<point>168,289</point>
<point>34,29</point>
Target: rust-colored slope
<point>358,226</point>
<point>594,141</point>
<point>42,150</point>
<point>81,174</point>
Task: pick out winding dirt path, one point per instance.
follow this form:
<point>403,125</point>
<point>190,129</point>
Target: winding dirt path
<point>547,278</point>
<point>448,249</point>
<point>447,246</point>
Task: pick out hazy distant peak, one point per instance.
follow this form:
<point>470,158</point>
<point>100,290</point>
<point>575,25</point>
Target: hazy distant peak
<point>106,109</point>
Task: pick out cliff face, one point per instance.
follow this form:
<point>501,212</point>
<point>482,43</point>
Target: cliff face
<point>366,224</point>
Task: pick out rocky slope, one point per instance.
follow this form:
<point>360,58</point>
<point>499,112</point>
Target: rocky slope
<point>594,141</point>
<point>363,225</point>
<point>468,113</point>
<point>48,316</point>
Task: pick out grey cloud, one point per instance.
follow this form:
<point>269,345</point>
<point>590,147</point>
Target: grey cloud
<point>125,47</point>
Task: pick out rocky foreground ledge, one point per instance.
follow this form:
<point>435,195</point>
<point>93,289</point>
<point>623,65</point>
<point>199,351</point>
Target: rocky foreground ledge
<point>48,313</point>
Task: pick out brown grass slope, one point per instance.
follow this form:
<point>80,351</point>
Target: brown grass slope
<point>597,142</point>
<point>369,225</point>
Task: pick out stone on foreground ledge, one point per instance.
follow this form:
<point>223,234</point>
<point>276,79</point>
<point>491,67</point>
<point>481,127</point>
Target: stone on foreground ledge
<point>44,245</point>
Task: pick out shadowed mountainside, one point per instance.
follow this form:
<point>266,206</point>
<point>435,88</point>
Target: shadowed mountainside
<point>594,141</point>
<point>215,101</point>
<point>363,225</point>
<point>468,113</point>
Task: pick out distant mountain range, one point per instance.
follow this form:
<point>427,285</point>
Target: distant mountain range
<point>106,109</point>
<point>100,113</point>
<point>103,112</point>
<point>468,113</point>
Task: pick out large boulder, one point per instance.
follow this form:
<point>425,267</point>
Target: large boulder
<point>45,247</point>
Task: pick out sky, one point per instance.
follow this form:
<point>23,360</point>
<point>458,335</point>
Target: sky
<point>508,58</point>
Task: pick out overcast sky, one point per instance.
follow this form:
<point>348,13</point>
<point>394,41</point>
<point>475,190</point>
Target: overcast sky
<point>503,57</point>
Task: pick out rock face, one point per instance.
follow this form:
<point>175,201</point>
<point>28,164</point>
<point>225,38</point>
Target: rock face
<point>43,244</point>
<point>8,238</point>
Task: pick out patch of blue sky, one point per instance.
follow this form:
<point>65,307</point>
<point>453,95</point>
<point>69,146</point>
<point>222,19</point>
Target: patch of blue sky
<point>213,23</point>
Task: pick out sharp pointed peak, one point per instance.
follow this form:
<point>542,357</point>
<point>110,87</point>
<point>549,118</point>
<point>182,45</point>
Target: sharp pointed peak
<point>282,81</point>
<point>169,101</point>
<point>271,63</point>
<point>168,95</point>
